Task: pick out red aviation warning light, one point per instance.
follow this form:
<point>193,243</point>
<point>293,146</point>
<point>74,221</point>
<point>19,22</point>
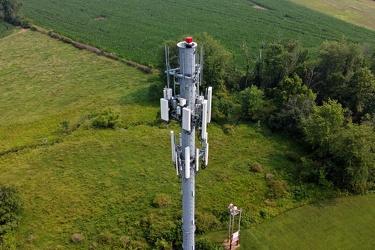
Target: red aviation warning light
<point>189,39</point>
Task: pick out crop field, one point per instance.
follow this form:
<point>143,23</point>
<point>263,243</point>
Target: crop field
<point>136,29</point>
<point>358,12</point>
<point>102,183</point>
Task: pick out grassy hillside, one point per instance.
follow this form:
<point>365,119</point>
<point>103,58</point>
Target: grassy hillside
<point>358,12</point>
<point>102,183</point>
<point>133,29</point>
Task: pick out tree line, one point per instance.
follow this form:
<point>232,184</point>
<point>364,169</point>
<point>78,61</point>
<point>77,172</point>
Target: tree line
<point>9,13</point>
<point>324,99</point>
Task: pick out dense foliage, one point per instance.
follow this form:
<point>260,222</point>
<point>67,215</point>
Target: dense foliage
<point>10,209</point>
<point>328,101</point>
<point>325,101</point>
<point>9,12</point>
<point>5,28</point>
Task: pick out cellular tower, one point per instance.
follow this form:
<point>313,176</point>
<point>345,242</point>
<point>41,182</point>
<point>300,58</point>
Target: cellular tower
<point>185,104</point>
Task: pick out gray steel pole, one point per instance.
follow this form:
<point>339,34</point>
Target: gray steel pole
<point>187,52</point>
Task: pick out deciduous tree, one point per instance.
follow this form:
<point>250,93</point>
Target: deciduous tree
<point>8,11</point>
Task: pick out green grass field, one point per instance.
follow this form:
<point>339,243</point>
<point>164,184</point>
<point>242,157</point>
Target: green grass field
<point>344,223</point>
<point>358,12</point>
<point>134,30</point>
<point>102,182</point>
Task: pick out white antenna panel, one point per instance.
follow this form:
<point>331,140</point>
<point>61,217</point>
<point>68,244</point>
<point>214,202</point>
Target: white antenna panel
<point>164,109</point>
<point>197,160</point>
<point>206,155</point>
<point>176,164</point>
<point>173,147</point>
<point>169,93</point>
<point>209,101</point>
<point>187,162</point>
<point>186,118</point>
<point>182,102</point>
<point>204,119</point>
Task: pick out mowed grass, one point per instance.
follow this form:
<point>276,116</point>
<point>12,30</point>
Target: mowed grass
<point>102,183</point>
<point>345,223</point>
<point>135,30</point>
<point>358,12</point>
<point>44,82</point>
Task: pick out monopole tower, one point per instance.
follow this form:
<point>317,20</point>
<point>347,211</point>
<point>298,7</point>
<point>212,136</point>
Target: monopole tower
<point>192,109</point>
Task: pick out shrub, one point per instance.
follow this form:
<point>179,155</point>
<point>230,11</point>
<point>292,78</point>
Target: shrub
<point>267,213</point>
<point>106,119</point>
<point>10,209</point>
<point>205,244</point>
<point>159,229</point>
<point>105,238</point>
<point>64,126</point>
<point>228,129</point>
<point>8,241</point>
<point>278,189</point>
<point>162,200</point>
<point>206,222</point>
<point>124,241</point>
<point>155,92</point>
<point>77,237</point>
<point>257,168</point>
<point>162,244</point>
<point>269,176</point>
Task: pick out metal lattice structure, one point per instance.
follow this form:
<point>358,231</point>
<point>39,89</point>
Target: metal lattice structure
<point>233,236</point>
<point>184,104</point>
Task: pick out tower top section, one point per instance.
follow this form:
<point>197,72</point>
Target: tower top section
<point>187,44</point>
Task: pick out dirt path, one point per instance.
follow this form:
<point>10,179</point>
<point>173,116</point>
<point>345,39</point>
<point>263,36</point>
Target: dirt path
<point>16,33</point>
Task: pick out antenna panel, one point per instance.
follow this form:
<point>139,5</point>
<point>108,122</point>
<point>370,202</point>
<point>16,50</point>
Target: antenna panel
<point>206,155</point>
<point>182,102</point>
<point>176,164</point>
<point>209,101</point>
<point>197,160</point>
<point>186,118</point>
<point>164,109</point>
<point>173,147</point>
<point>187,162</point>
<point>169,93</point>
<point>204,119</point>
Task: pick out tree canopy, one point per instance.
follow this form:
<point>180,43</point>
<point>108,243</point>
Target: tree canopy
<point>326,101</point>
<point>9,10</point>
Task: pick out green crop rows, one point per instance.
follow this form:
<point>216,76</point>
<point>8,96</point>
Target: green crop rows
<point>134,29</point>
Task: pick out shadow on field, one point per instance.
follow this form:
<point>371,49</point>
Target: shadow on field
<point>138,97</point>
<point>325,203</point>
<point>149,95</point>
